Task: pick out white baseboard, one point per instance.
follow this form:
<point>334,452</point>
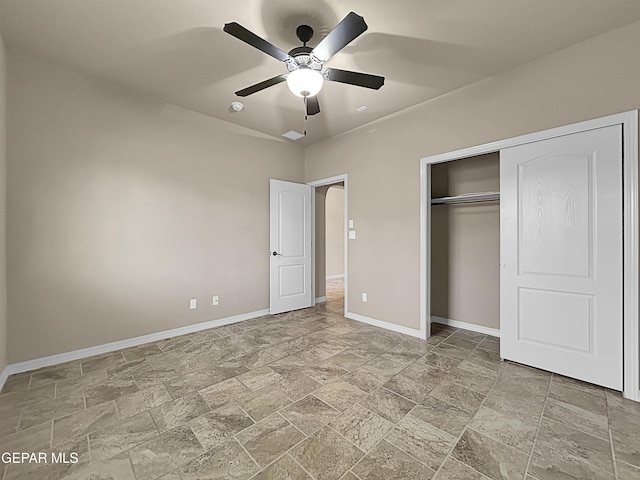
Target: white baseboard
<point>414,332</point>
<point>121,344</point>
<point>494,332</point>
<point>333,277</point>
<point>321,299</point>
<point>3,376</point>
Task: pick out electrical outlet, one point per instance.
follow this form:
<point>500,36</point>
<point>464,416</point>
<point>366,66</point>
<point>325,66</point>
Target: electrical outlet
<point>364,297</point>
<point>215,300</point>
<point>193,303</point>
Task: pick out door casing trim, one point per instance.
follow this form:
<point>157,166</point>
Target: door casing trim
<point>320,183</point>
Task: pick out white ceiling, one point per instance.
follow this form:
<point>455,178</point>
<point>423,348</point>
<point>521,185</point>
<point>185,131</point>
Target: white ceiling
<point>176,49</point>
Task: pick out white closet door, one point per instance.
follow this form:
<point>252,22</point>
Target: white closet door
<point>561,255</point>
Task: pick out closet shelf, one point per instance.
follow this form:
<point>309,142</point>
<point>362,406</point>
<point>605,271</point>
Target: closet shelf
<point>467,198</point>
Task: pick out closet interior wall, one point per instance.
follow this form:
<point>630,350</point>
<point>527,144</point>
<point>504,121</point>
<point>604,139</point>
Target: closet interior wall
<point>465,243</point>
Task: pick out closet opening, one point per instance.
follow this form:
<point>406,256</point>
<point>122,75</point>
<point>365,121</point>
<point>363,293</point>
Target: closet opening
<point>465,243</point>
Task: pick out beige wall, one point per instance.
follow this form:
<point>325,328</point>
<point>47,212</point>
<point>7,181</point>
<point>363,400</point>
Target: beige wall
<point>594,78</point>
<point>465,243</point>
<point>122,208</point>
<point>3,205</point>
<point>334,231</point>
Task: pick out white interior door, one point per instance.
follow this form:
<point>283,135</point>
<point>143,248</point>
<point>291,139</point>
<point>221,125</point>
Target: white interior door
<point>561,253</point>
<point>290,240</point>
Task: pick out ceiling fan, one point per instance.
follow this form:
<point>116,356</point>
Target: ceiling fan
<point>305,64</point>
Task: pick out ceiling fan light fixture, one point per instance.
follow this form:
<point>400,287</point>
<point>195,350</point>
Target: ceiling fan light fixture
<point>305,82</point>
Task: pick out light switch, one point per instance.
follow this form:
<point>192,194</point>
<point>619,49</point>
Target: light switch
<point>350,223</point>
<point>352,234</point>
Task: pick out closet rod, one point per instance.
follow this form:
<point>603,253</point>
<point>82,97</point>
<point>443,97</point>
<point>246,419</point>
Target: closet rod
<point>467,198</point>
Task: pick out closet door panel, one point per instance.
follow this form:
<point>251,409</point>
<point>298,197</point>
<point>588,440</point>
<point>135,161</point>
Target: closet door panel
<point>561,255</point>
<point>556,319</point>
<point>556,202</point>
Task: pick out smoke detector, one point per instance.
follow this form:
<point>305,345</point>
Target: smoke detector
<point>237,106</point>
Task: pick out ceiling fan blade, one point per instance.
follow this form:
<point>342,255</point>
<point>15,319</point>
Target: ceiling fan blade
<point>313,107</point>
<point>254,40</point>
<point>354,78</point>
<point>351,26</point>
<point>261,86</point>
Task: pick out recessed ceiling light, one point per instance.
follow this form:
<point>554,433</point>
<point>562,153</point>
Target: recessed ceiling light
<point>293,135</point>
<point>361,109</point>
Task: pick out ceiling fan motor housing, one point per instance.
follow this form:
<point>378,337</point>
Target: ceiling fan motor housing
<point>302,57</point>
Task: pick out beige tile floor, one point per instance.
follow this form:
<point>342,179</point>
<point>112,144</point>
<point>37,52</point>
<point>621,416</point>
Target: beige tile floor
<point>310,394</point>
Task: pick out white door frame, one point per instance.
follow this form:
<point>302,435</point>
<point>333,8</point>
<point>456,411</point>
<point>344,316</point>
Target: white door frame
<point>322,183</point>
<point>630,235</point>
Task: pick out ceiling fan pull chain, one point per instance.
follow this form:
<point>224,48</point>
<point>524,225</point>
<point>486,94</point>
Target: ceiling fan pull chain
<point>306,116</point>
